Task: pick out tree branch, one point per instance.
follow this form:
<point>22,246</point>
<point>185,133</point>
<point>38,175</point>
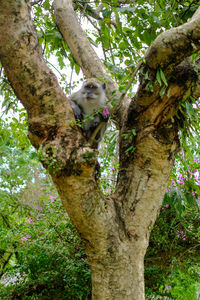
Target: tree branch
<point>81,48</point>
<point>49,112</point>
<point>196,90</point>
<point>77,40</point>
<point>64,152</point>
<point>91,12</point>
<point>172,46</point>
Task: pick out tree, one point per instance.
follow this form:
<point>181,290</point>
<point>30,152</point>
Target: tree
<point>114,229</point>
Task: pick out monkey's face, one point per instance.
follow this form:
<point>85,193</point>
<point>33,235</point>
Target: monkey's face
<point>92,90</point>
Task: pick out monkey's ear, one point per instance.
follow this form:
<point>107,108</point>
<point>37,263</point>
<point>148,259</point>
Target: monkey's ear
<point>104,86</point>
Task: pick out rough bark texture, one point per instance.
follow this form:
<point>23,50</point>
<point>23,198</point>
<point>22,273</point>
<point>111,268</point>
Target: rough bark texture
<point>115,231</point>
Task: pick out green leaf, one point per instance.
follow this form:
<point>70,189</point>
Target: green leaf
<point>123,45</point>
<point>146,38</point>
<point>77,69</point>
<point>162,75</point>
<point>162,91</point>
<point>106,13</point>
<point>189,109</point>
<point>133,132</point>
<point>131,148</point>
<point>158,77</point>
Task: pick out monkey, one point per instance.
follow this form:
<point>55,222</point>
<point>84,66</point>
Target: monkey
<point>90,107</point>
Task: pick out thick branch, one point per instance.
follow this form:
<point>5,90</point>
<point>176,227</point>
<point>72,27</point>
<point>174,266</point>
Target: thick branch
<point>77,40</point>
<point>33,82</point>
<point>50,121</point>
<point>80,47</point>
<point>147,168</point>
<point>168,54</point>
<point>196,91</point>
<point>172,46</point>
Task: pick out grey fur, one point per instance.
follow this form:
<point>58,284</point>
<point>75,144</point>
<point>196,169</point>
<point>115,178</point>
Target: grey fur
<point>90,101</point>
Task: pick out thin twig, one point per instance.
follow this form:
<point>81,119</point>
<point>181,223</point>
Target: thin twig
<point>36,2</point>
<point>127,87</point>
<point>70,81</point>
<point>99,31</point>
<point>94,25</point>
<point>112,56</point>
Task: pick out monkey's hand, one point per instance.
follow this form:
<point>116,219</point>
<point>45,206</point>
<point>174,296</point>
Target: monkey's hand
<point>105,115</point>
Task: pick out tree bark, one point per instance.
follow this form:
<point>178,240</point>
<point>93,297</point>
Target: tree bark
<point>120,275</point>
<point>115,230</point>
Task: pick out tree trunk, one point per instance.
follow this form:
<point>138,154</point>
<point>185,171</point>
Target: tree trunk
<point>119,274</point>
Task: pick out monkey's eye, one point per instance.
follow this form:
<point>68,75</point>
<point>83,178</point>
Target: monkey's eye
<point>91,86</point>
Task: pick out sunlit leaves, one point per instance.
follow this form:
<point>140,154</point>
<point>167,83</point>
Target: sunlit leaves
<point>15,153</point>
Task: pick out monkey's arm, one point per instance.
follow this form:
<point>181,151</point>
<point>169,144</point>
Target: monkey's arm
<point>77,110</point>
<point>73,99</point>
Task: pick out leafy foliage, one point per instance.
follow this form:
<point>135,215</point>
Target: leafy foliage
<point>50,258</point>
<point>172,259</point>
